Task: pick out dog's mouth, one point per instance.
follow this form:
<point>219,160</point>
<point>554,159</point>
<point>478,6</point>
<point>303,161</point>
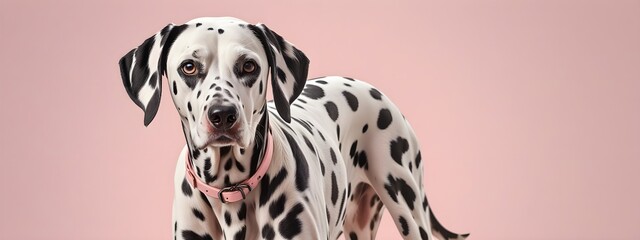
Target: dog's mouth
<point>222,139</point>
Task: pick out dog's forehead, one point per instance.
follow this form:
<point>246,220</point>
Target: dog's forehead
<point>210,35</point>
<point>215,32</point>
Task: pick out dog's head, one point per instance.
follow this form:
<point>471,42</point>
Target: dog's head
<point>217,71</point>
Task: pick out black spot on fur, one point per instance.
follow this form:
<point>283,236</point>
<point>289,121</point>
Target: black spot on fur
<point>321,136</point>
<point>423,234</point>
<point>227,181</point>
<point>186,188</point>
<point>291,226</point>
<point>375,94</point>
<point>221,31</point>
<point>418,159</point>
<point>277,206</point>
<point>207,174</point>
<point>334,188</point>
<point>198,214</point>
<point>205,199</point>
<point>240,235</point>
<point>361,160</point>
<point>333,156</point>
<point>239,166</point>
<point>344,193</point>
<point>198,24</point>
<point>351,100</point>
<point>242,213</point>
<point>425,203</point>
<point>268,186</point>
<point>404,225</point>
<point>372,224</point>
<point>227,218</point>
<point>175,88</point>
<point>397,148</point>
<point>396,185</point>
<point>313,92</point>
<point>189,107</point>
<point>365,128</point>
<point>226,91</point>
<point>195,153</point>
<point>281,75</point>
<point>332,110</point>
<point>191,235</point>
<point>225,150</point>
<point>353,236</point>
<point>267,232</point>
<point>228,164</point>
<point>392,188</point>
<point>354,147</point>
<point>302,167</point>
<point>210,29</point>
<point>328,215</point>
<point>384,118</point>
<point>304,124</point>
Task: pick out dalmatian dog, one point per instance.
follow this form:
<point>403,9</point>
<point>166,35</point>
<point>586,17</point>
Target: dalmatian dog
<point>323,159</point>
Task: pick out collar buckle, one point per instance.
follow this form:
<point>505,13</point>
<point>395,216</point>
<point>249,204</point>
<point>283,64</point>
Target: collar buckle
<point>235,188</point>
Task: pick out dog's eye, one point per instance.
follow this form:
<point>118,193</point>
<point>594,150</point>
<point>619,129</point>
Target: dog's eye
<point>249,66</point>
<point>189,68</point>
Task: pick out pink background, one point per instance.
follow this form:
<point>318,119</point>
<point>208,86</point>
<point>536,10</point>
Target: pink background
<point>528,111</point>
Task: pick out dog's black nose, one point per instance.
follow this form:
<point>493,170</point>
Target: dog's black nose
<point>222,116</point>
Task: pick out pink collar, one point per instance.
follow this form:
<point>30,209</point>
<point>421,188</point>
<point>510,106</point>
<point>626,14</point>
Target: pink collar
<point>236,192</point>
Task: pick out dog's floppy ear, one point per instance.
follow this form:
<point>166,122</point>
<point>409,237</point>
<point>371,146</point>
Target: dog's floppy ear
<point>289,68</point>
<point>142,68</point>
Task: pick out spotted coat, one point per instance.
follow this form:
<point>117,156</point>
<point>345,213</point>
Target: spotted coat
<point>342,150</point>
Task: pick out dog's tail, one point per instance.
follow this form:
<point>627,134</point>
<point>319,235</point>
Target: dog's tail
<point>442,233</point>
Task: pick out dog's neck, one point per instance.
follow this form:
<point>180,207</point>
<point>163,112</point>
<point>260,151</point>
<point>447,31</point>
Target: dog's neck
<point>226,166</point>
